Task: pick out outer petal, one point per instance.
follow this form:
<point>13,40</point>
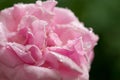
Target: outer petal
<point>63,16</point>
<point>49,5</point>
<point>8,57</point>
<point>28,72</point>
<point>3,37</point>
<point>7,19</point>
<point>67,68</point>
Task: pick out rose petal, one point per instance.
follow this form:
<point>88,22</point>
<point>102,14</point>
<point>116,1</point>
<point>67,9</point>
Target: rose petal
<point>49,5</point>
<point>68,16</point>
<point>29,54</point>
<point>8,57</point>
<point>2,34</point>
<point>28,72</point>
<point>67,62</point>
<point>39,32</point>
<point>53,39</point>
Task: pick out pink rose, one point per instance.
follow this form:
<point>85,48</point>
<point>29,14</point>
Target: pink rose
<point>43,42</point>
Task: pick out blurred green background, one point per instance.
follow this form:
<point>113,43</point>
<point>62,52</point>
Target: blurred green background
<point>104,17</point>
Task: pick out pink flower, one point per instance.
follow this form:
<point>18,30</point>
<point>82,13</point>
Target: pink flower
<point>43,42</point>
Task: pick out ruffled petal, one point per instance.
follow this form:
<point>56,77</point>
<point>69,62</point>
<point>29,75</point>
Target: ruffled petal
<point>53,39</point>
<point>29,54</point>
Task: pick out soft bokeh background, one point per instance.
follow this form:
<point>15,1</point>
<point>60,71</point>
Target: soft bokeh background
<point>104,17</point>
